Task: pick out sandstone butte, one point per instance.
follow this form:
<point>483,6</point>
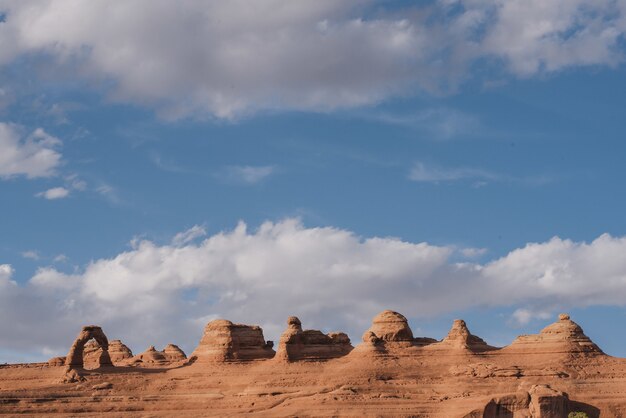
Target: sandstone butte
<point>234,371</point>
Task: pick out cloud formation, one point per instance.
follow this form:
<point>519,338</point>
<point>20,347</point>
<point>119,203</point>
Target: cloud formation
<point>54,193</point>
<point>331,278</point>
<point>231,58</point>
<point>34,155</point>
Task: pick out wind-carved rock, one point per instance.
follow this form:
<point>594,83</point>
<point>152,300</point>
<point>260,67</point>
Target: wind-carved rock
<point>564,336</point>
<point>75,356</point>
<point>298,344</point>
<point>224,341</point>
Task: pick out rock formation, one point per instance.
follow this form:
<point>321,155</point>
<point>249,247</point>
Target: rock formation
<point>75,356</point>
<point>224,341</point>
<point>297,344</point>
<point>56,362</point>
<point>119,352</point>
<point>564,337</point>
<point>390,330</point>
<point>173,353</point>
<point>546,402</point>
<point>541,401</point>
<point>151,357</point>
<point>390,326</point>
<point>392,373</point>
<point>459,338</point>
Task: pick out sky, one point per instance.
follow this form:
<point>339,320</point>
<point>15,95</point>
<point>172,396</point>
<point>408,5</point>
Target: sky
<point>163,164</point>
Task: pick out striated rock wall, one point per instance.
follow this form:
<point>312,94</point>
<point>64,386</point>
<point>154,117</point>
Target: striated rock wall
<point>224,341</point>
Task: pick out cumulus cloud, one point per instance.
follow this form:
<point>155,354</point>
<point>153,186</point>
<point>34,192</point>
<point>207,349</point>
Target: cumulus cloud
<point>331,278</point>
<point>228,58</point>
<point>33,155</point>
<point>54,193</point>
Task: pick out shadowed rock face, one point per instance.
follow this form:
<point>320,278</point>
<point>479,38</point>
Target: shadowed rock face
<point>75,356</point>
<point>224,341</point>
<point>298,344</point>
<point>541,401</point>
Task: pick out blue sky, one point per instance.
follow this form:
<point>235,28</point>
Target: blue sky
<point>443,159</point>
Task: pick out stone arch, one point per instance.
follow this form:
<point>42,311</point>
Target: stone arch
<point>75,356</point>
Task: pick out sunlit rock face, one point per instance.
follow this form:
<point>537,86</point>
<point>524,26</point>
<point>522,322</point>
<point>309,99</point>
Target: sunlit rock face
<point>298,344</point>
<point>564,337</point>
<point>224,341</point>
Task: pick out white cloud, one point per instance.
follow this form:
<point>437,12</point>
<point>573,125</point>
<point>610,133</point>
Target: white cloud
<point>473,252</point>
<point>61,258</point>
<point>523,316</point>
<point>330,277</point>
<point>230,58</point>
<point>31,254</point>
<point>54,193</point>
<point>33,155</point>
<point>6,272</point>
<point>247,174</point>
<point>189,235</point>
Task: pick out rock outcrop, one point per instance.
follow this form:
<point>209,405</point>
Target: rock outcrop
<point>390,326</point>
<point>75,356</point>
<point>541,401</point>
<point>173,353</point>
<point>224,341</point>
<point>298,344</point>
<point>56,362</point>
<point>119,352</point>
<point>151,357</point>
<point>390,330</point>
<point>459,338</point>
<point>564,337</point>
<point>546,402</point>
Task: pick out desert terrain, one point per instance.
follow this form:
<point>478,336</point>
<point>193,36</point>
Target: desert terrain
<point>234,371</point>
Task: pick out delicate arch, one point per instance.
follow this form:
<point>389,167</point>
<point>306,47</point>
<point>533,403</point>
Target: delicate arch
<point>75,356</point>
